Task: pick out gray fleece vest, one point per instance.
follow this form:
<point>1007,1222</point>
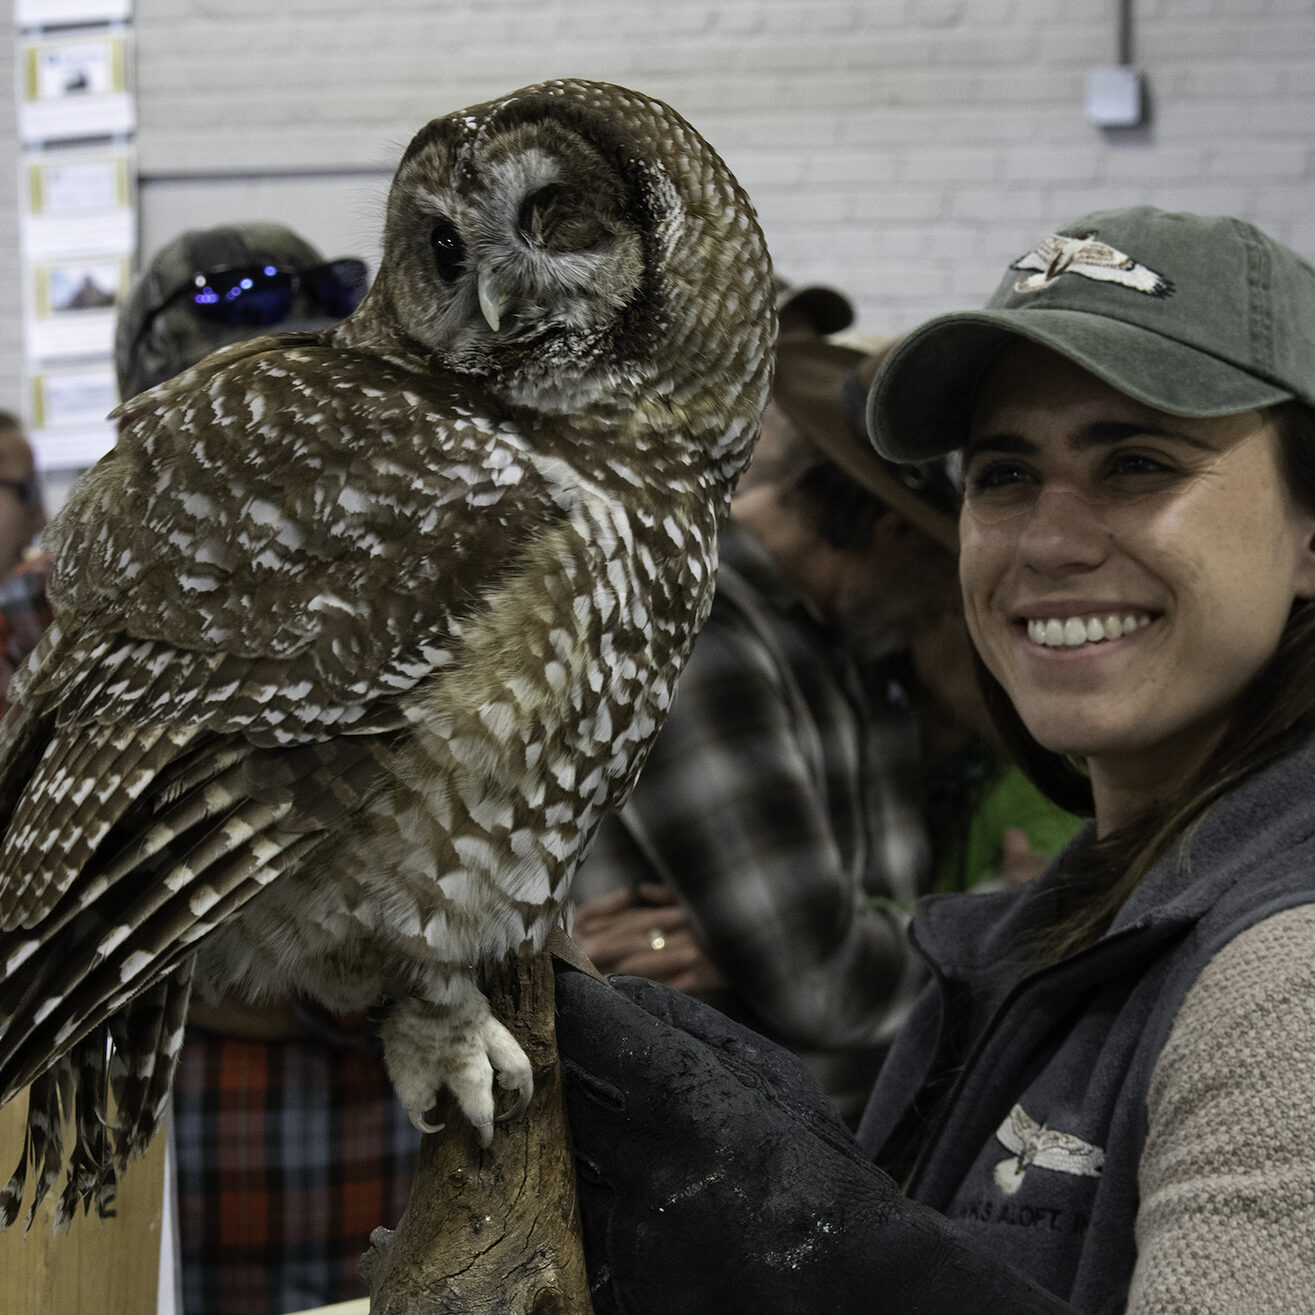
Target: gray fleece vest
<point>1034,1154</point>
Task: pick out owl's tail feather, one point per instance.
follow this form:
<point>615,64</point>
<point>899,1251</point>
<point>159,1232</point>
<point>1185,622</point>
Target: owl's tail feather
<point>137,1069</point>
<point>43,1143</point>
<point>179,821</point>
<point>91,1179</point>
<point>147,1036</point>
<point>192,771</point>
<point>83,765</point>
<point>25,731</point>
<point>228,850</point>
<point>168,889</point>
<point>164,919</point>
<point>166,924</point>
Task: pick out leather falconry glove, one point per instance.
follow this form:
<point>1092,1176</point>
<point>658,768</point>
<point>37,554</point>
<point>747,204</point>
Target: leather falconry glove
<point>715,1178</point>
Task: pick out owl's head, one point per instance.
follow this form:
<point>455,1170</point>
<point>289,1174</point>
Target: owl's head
<point>558,235</point>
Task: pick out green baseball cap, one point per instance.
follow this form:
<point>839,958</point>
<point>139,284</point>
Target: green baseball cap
<point>1193,315</point>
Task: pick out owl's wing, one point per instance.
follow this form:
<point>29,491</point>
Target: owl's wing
<point>316,509</point>
<point>247,588</point>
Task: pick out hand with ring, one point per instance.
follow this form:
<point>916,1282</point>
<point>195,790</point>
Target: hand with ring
<point>644,933</point>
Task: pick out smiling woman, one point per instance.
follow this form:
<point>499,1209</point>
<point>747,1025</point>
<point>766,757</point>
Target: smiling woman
<point>1138,556</point>
<point>1186,414</point>
<point>1105,1099</point>
<point>1182,529</point>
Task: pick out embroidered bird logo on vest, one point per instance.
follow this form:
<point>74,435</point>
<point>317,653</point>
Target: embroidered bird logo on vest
<point>1035,1144</point>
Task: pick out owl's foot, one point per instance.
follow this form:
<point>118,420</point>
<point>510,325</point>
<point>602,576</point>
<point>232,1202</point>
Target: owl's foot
<point>462,1047</point>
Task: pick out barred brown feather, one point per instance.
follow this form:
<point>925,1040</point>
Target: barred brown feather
<point>360,633</point>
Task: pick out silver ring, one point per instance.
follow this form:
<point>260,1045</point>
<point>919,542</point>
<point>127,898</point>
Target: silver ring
<point>657,939</point>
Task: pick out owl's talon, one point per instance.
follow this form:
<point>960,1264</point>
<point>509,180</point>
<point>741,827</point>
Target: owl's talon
<point>426,1122</point>
<point>461,1047</point>
<point>517,1107</point>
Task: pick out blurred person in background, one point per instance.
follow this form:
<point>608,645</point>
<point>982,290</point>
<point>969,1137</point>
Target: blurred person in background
<point>24,610</point>
<point>207,288</point>
<point>203,290</point>
<point>22,513</point>
<point>811,310</point>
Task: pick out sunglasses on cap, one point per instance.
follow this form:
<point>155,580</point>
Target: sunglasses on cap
<point>264,293</point>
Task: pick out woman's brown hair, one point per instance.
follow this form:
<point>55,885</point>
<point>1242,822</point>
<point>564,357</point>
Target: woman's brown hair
<point>1273,715</point>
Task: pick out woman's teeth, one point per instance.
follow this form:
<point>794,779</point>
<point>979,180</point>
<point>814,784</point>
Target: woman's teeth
<point>1075,632</point>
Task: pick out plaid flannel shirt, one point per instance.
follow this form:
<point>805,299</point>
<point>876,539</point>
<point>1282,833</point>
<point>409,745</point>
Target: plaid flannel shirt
<point>288,1154</point>
<point>778,802</point>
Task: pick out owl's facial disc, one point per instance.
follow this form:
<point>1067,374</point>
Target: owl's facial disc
<point>526,256</point>
<point>551,221</point>
<point>555,253</point>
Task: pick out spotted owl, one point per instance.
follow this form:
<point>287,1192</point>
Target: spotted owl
<point>360,633</point>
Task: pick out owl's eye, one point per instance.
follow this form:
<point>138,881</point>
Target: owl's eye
<point>449,250</point>
<point>535,207</point>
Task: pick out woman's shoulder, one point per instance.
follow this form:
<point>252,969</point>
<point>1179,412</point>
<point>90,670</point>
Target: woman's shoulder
<point>1239,1063</point>
<point>1230,1148</point>
<point>1265,972</point>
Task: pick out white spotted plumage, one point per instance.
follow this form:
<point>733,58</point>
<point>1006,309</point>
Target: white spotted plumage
<point>359,634</point>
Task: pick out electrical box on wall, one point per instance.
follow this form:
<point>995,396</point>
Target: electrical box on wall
<point>1114,97</point>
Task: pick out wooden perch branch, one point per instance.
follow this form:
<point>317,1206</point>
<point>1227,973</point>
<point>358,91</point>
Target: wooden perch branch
<point>497,1231</point>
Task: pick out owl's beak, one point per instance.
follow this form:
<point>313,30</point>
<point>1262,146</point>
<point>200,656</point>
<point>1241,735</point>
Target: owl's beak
<point>492,298</point>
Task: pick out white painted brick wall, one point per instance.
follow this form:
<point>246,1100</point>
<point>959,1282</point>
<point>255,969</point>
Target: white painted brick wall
<point>901,149</point>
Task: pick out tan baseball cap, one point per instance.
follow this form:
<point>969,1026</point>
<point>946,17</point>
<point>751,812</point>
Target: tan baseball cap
<point>821,386</point>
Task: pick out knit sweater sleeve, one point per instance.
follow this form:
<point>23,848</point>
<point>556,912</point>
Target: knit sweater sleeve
<point>1227,1178</point>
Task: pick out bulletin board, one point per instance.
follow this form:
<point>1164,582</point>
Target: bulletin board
<point>78,228</point>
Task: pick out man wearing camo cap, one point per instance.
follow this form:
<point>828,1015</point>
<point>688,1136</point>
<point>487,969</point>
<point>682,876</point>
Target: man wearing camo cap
<point>210,287</point>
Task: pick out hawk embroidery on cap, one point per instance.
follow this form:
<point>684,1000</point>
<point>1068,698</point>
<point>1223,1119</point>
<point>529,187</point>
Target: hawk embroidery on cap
<point>1058,255</point>
<point>1035,1144</point>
